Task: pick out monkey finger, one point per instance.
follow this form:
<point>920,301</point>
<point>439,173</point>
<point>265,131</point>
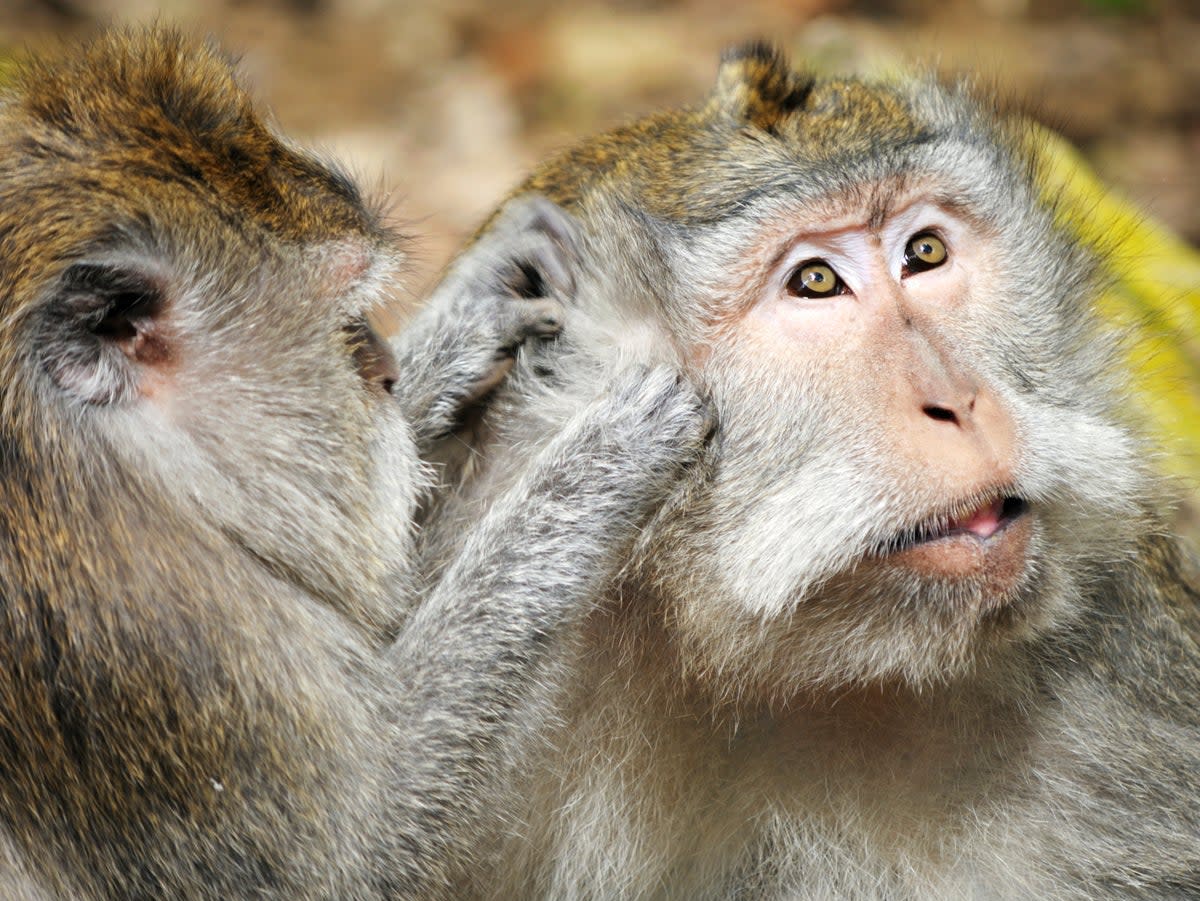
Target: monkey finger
<point>555,267</point>
<point>523,319</point>
<point>501,366</point>
<point>517,320</point>
<point>540,238</point>
<point>667,401</point>
<point>535,214</point>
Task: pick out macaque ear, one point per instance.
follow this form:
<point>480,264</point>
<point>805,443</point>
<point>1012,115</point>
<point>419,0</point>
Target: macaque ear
<point>757,86</point>
<point>101,331</point>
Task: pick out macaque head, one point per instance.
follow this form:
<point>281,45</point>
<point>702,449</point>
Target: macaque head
<point>183,297</point>
<point>918,446</point>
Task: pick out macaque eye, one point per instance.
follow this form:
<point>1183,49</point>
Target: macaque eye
<point>924,251</point>
<point>815,278</point>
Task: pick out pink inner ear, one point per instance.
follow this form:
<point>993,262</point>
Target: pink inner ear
<point>107,338</point>
<point>152,351</point>
<point>138,330</point>
<point>146,345</point>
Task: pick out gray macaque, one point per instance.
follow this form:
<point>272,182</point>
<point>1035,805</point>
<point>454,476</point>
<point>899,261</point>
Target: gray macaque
<point>916,628</point>
<point>211,685</point>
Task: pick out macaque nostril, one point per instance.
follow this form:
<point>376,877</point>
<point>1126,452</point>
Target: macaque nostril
<point>942,414</point>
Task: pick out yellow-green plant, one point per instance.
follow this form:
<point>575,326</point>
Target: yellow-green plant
<point>1155,291</point>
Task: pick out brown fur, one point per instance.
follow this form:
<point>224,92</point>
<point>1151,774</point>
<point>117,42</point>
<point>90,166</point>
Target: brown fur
<point>209,683</point>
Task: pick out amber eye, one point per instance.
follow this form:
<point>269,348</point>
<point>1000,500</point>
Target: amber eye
<point>815,278</point>
<point>924,251</point>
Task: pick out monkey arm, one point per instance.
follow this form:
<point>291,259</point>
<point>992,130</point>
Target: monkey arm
<point>505,289</point>
<point>471,657</point>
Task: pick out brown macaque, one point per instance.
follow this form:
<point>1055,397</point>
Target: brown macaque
<point>916,628</point>
<point>211,685</point>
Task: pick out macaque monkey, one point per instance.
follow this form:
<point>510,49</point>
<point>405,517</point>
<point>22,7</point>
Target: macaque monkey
<point>211,686</point>
<point>916,627</point>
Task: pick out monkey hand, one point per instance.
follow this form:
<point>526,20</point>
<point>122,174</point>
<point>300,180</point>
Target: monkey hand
<point>557,534</point>
<point>632,444</point>
<point>507,288</point>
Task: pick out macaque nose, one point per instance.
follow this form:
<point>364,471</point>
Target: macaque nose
<point>956,424</point>
<point>957,412</point>
<point>945,393</point>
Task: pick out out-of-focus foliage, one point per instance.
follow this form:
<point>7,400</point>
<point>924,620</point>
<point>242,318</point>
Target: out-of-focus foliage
<point>1155,291</point>
<point>1117,6</point>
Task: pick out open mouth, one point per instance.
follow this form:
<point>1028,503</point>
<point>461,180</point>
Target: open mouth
<point>983,522</point>
<point>985,544</point>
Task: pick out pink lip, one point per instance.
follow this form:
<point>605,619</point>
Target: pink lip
<point>989,544</point>
<point>980,525</point>
<point>984,521</point>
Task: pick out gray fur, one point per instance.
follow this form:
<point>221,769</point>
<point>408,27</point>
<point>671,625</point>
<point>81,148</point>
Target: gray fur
<point>719,738</point>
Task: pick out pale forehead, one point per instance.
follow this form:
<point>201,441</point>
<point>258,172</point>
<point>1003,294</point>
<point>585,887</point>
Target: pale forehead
<point>866,207</point>
<point>869,209</point>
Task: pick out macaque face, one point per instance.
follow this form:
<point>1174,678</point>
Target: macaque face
<point>892,496</point>
<point>875,306</point>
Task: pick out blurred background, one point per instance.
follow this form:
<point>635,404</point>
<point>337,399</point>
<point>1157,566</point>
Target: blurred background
<point>446,104</point>
<point>443,106</point>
